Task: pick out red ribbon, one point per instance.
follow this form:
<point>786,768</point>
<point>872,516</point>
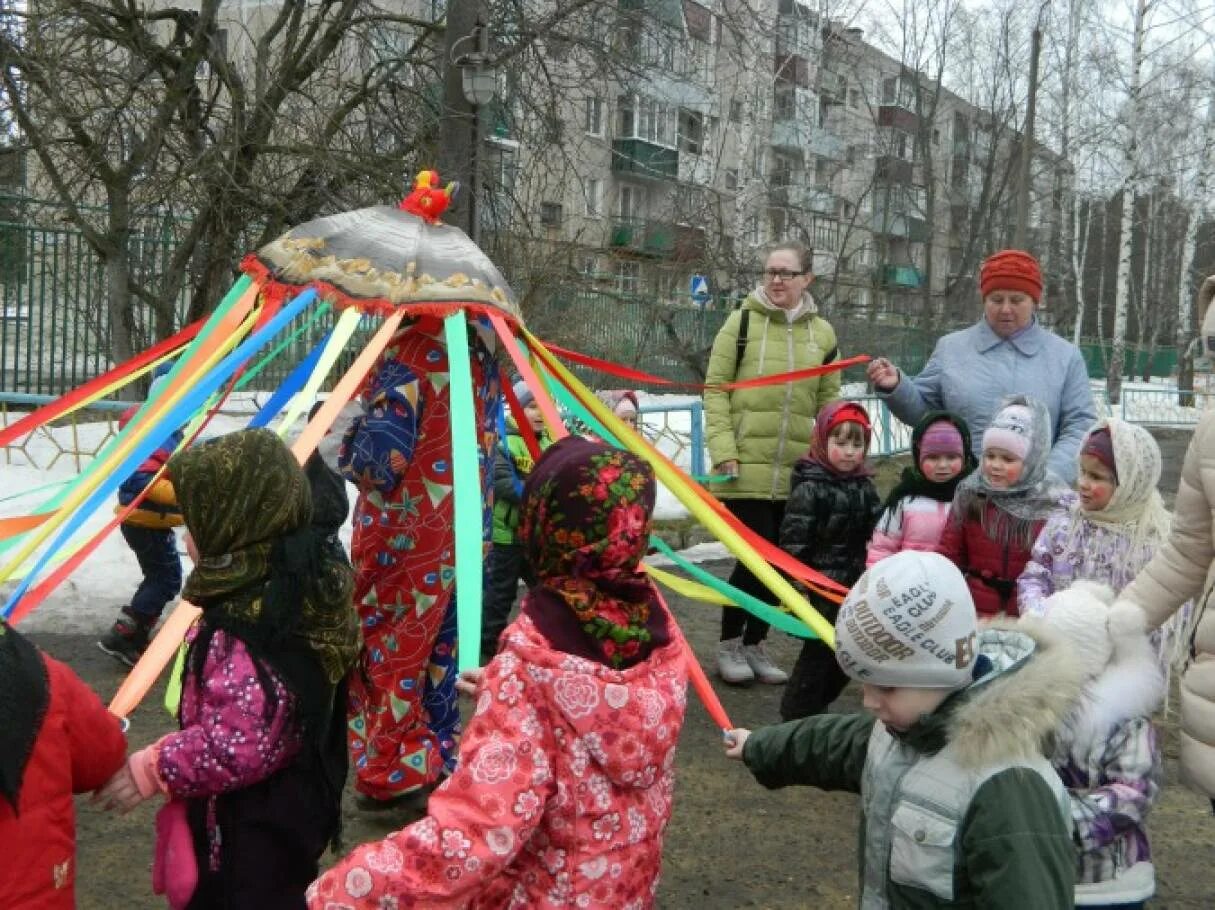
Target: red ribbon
<point>62,405</point>
<point>606,366</point>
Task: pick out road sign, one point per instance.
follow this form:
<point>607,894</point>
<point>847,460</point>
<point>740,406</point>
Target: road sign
<point>699,289</point>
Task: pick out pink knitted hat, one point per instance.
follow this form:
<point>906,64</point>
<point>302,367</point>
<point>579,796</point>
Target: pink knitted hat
<point>941,438</point>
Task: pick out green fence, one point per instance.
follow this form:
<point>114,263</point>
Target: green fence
<point>55,326</point>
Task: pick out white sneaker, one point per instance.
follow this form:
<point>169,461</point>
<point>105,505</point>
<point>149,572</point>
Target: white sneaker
<point>761,665</point>
<point>732,664</point>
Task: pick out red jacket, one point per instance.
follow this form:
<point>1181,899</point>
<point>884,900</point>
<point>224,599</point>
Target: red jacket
<point>78,749</point>
<point>561,797</point>
<point>991,568</point>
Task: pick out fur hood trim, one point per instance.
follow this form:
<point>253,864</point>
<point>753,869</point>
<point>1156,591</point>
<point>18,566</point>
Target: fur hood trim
<point>1011,713</point>
<point>1133,685</point>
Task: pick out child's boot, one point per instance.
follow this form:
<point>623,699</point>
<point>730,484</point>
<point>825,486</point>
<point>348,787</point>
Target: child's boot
<point>128,637</point>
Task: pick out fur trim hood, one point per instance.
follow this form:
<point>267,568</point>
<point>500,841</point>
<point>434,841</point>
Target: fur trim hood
<point>1012,712</point>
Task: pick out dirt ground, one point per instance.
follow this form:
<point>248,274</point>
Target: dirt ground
<point>730,842</point>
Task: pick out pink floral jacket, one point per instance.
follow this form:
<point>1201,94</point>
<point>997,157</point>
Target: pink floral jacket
<point>561,797</point>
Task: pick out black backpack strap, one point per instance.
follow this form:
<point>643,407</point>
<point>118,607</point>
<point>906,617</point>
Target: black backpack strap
<point>744,320</point>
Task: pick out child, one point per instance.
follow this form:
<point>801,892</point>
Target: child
<point>999,510</point>
<point>832,508</point>
<point>1106,751</point>
<point>55,740</point>
<point>1115,525</point>
<point>260,760</point>
<point>959,806</point>
<point>916,510</point>
<point>621,402</point>
<point>565,780</point>
<point>506,564</point>
<point>148,531</point>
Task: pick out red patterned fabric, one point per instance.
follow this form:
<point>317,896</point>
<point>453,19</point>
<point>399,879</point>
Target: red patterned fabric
<point>561,798</point>
<point>403,552</point>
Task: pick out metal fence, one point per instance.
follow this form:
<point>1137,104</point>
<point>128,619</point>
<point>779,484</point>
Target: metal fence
<point>55,330</point>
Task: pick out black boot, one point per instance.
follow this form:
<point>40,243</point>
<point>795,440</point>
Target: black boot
<point>128,637</point>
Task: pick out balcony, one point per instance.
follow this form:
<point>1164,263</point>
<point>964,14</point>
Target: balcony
<point>800,196</point>
<point>658,239</point>
<point>898,116</point>
<point>892,169</point>
<point>827,145</point>
<point>639,158</point>
<point>791,134</point>
<point>900,224</point>
<point>900,276</point>
<point>832,87</point>
<point>791,69</point>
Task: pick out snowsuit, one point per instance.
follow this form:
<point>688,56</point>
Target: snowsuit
<point>148,530</point>
<point>827,525</point>
<point>563,791</point>
<point>403,717</point>
<point>991,567</point>
<point>962,810</point>
<point>1108,756</point>
<point>79,746</point>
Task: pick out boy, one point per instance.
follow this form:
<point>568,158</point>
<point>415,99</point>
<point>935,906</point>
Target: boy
<point>148,531</point>
<point>959,806</point>
<point>512,464</point>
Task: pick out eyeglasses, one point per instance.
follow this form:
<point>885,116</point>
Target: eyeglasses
<point>782,274</point>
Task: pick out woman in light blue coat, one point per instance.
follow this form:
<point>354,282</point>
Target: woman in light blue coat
<point>1007,352</point>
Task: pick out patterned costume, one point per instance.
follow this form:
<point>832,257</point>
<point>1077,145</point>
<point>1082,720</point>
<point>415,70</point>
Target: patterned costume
<point>403,720</point>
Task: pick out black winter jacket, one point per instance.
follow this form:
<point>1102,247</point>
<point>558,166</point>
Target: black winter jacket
<point>828,522</point>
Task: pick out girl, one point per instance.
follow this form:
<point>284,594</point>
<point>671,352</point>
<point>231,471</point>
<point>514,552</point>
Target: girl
<point>833,506</point>
<point>916,509</point>
<point>55,740</point>
<point>999,510</point>
<point>564,785</point>
<point>260,760</point>
<point>1106,750</point>
<point>1115,525</point>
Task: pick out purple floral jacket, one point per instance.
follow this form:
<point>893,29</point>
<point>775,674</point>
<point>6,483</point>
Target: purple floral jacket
<point>227,741</point>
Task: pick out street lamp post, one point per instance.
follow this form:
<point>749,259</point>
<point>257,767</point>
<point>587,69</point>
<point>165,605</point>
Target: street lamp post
<point>478,84</point>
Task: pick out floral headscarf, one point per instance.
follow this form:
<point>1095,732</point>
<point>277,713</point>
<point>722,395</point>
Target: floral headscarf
<point>585,525</point>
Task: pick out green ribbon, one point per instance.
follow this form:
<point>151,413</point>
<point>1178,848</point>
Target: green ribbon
<point>466,492</point>
<point>756,607</point>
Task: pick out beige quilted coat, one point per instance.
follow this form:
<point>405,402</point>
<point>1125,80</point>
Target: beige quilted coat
<point>1182,569</point>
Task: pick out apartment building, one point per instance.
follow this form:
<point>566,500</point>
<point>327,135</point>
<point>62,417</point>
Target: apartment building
<point>725,126</point>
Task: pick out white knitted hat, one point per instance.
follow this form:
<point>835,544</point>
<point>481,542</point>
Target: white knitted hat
<point>908,621</point>
<point>1081,615</point>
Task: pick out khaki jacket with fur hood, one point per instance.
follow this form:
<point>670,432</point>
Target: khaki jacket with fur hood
<point>1012,846</point>
<point>1184,569</point>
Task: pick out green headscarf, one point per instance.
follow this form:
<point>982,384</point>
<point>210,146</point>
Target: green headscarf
<point>263,574</point>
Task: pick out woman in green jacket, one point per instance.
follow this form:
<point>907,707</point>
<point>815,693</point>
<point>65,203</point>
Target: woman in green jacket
<point>755,435</point>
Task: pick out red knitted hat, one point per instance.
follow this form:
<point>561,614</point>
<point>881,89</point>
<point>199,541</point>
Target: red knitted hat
<point>1011,270</point>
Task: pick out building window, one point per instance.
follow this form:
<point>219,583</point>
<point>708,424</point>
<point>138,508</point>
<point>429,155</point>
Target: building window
<point>751,230</point>
<point>594,116</point>
<point>854,98</point>
<point>593,191</point>
<point>632,202</point>
<point>589,269</point>
<point>731,178</point>
<point>550,214</point>
<point>784,105</point>
<point>628,277</point>
<point>736,110</point>
<point>691,131</point>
